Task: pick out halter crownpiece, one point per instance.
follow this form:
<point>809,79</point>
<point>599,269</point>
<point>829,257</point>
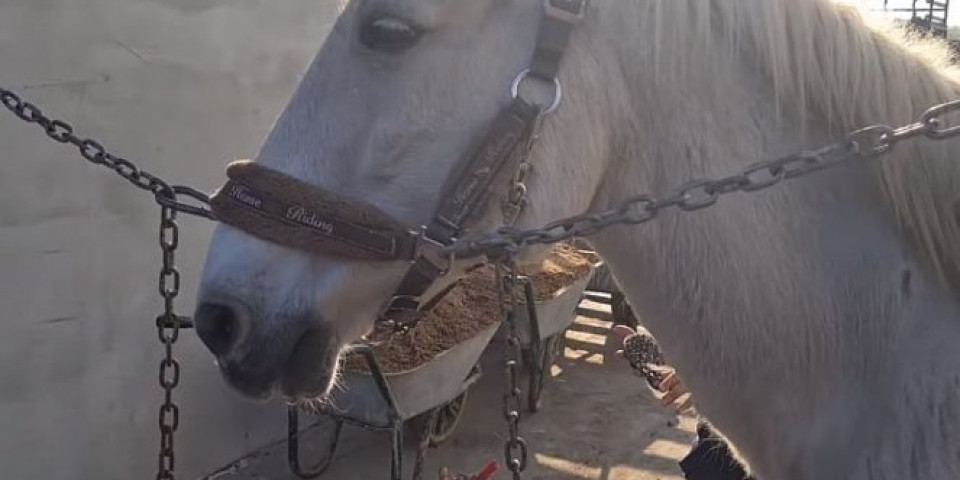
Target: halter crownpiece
<point>290,212</point>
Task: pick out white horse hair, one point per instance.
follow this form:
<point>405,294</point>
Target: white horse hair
<point>815,322</point>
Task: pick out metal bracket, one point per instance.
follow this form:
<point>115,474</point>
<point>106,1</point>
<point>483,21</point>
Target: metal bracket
<point>182,322</point>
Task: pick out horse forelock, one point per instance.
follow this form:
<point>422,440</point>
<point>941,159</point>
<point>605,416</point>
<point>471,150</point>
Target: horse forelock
<point>831,66</point>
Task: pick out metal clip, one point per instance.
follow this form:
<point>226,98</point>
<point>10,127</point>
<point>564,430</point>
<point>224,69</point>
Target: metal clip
<point>423,238</point>
<point>435,249</point>
<point>511,210</point>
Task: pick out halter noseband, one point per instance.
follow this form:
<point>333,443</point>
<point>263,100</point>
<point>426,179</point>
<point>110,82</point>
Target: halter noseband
<point>290,212</point>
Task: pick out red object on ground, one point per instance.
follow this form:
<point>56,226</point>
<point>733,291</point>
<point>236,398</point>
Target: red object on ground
<point>487,471</point>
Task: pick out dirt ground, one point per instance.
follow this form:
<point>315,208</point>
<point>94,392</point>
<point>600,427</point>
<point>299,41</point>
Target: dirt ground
<point>597,422</point>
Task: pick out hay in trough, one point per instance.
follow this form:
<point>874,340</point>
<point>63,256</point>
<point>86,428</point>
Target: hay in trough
<point>562,267</point>
<point>468,308</point>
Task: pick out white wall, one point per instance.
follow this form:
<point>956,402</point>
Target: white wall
<point>181,87</point>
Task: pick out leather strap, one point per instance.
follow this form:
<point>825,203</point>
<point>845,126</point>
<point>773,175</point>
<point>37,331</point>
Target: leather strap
<point>291,212</point>
<point>404,308</point>
<point>505,140</point>
<point>556,27</point>
<point>508,138</point>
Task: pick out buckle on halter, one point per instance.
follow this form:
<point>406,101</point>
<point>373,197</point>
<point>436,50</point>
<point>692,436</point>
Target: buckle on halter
<point>424,240</point>
<point>570,11</point>
<point>433,250</point>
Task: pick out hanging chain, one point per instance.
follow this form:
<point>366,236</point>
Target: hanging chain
<point>168,323</point>
<point>168,330</point>
<point>515,447</point>
<point>165,194</point>
<point>863,144</point>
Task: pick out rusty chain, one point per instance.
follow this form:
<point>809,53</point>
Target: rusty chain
<point>866,143</point>
<point>515,447</point>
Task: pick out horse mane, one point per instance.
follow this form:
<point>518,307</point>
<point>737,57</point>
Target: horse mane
<point>835,68</point>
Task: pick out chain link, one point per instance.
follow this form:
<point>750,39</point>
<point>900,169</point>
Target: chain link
<point>166,195</point>
<point>168,323</point>
<point>863,144</point>
<point>515,447</point>
<point>168,331</point>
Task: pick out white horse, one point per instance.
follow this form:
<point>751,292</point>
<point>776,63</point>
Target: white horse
<point>816,322</point>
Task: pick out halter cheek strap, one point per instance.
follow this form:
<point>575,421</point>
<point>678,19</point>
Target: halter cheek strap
<point>508,141</point>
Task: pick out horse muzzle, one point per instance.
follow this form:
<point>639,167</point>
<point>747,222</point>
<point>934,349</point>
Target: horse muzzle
<point>297,358</point>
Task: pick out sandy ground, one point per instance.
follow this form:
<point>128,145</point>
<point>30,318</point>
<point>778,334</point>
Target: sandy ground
<point>597,422</point>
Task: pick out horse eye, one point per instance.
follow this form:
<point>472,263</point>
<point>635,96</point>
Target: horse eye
<point>389,34</point>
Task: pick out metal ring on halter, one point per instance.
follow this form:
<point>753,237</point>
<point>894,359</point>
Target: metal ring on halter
<point>557,90</point>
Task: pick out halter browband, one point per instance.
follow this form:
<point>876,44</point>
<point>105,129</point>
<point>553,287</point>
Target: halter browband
<point>290,212</point>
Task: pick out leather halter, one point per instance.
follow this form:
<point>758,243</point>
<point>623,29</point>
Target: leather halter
<point>287,211</point>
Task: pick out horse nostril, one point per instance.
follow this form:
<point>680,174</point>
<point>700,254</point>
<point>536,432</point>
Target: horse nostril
<point>218,327</point>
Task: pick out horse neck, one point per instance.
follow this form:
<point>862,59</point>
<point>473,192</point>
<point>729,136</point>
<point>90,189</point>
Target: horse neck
<point>825,70</point>
<point>707,100</point>
<point>802,278</point>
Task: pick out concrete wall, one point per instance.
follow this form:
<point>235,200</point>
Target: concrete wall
<point>181,87</point>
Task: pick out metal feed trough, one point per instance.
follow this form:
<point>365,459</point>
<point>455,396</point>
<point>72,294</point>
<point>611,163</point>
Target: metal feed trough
<point>541,325</point>
<point>434,393</point>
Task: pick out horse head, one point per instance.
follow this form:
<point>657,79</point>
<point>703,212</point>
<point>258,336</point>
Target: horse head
<point>400,93</point>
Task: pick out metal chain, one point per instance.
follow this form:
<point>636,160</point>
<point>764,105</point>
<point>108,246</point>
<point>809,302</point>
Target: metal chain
<point>515,447</point>
<point>866,143</point>
<point>863,144</point>
<point>165,194</point>
<point>168,323</point>
<point>168,330</point>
